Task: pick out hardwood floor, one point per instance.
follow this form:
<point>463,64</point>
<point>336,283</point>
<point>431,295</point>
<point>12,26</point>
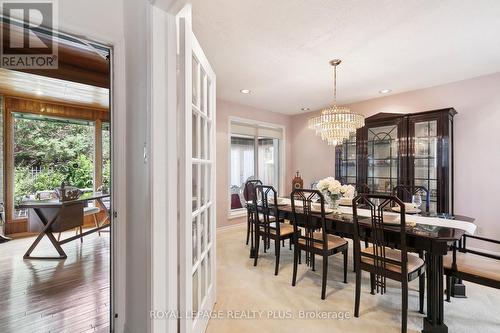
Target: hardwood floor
<point>71,295</point>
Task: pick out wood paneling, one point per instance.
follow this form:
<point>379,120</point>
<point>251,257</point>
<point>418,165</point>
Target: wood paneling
<point>16,227</point>
<point>38,107</point>
<point>71,295</point>
<point>15,83</point>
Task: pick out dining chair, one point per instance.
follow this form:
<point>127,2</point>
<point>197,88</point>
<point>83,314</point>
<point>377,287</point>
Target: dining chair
<point>361,188</point>
<point>402,192</point>
<point>405,192</point>
<point>87,211</point>
<point>267,222</point>
<point>314,242</point>
<point>472,264</point>
<point>379,259</point>
<point>248,194</point>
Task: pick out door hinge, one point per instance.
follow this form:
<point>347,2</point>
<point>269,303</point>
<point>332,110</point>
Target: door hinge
<point>115,214</point>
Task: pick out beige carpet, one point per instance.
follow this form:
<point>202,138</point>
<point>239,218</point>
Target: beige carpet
<point>270,304</point>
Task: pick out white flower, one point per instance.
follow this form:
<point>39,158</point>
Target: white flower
<point>334,187</point>
<point>347,191</point>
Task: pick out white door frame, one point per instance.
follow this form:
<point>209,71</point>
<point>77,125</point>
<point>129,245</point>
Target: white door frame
<point>163,165</point>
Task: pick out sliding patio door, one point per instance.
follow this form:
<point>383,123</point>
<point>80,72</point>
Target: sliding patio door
<point>197,182</point>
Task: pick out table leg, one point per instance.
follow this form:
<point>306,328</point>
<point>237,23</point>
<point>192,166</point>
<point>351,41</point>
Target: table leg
<point>50,236</point>
<point>99,201</point>
<point>457,288</point>
<point>252,235</point>
<point>434,322</point>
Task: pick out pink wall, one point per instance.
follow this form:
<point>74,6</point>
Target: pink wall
<point>225,110</point>
<point>477,142</point>
<point>310,155</point>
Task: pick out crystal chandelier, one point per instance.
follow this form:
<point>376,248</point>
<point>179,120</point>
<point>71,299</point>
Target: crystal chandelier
<point>336,123</point>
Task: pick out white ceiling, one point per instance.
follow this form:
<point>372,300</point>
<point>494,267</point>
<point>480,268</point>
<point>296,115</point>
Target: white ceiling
<point>280,49</point>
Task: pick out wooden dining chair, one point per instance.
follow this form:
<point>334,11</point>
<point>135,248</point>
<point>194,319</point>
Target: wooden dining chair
<point>473,265</point>
<point>361,188</point>
<point>380,260</point>
<point>405,193</point>
<point>87,211</point>
<point>267,222</point>
<point>248,194</point>
<point>312,242</point>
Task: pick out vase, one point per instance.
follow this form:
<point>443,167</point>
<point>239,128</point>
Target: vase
<point>333,203</point>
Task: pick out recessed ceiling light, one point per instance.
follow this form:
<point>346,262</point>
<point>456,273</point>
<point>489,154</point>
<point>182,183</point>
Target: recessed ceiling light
<point>385,91</point>
<point>305,109</point>
<point>245,91</point>
<point>39,92</point>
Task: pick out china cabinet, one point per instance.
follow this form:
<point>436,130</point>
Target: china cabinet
<point>402,149</point>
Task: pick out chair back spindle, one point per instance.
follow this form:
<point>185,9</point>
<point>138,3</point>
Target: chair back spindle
<point>266,201</point>
<point>378,204</point>
<point>302,200</point>
<point>405,192</point>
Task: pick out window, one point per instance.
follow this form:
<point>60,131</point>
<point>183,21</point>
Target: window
<point>255,153</point>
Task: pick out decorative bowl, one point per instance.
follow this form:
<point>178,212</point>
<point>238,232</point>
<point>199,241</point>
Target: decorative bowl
<point>68,193</point>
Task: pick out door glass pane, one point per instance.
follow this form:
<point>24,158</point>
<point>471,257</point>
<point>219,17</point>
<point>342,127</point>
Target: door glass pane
<point>202,232</point>
<point>203,138</point>
<point>209,268</point>
<point>209,98</point>
<point>196,83</point>
<point>195,187</point>
<point>195,241</point>
<point>195,291</point>
<point>425,161</point>
<point>203,96</point>
<point>208,170</point>
<point>242,167</point>
<point>269,161</point>
<point>202,185</point>
<point>351,150</point>
<point>194,136</point>
<point>209,141</point>
<point>209,225</point>
<point>383,162</point>
<point>203,279</point>
<point>347,163</point>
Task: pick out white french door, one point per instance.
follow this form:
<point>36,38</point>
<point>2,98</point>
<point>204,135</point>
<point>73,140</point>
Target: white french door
<point>197,182</point>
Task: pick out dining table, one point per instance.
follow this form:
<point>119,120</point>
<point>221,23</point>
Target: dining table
<point>57,216</point>
<point>431,234</point>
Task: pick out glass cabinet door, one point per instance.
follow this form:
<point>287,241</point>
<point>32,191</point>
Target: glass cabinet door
<point>425,159</point>
<point>383,159</point>
<point>346,163</point>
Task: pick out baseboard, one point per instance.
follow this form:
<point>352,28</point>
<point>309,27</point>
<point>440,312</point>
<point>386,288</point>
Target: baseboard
<point>230,227</point>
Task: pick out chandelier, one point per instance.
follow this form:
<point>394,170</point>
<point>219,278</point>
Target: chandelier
<point>335,124</point>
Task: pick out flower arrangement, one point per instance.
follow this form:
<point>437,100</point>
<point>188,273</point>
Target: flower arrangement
<point>333,190</point>
<point>330,187</point>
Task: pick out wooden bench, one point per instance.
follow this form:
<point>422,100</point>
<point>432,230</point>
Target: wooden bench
<point>472,265</point>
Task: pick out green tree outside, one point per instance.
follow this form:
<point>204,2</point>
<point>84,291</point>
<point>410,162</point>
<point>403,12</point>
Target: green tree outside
<point>63,151</point>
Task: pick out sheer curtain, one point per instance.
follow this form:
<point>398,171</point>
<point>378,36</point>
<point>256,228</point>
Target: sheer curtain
<point>254,154</point>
